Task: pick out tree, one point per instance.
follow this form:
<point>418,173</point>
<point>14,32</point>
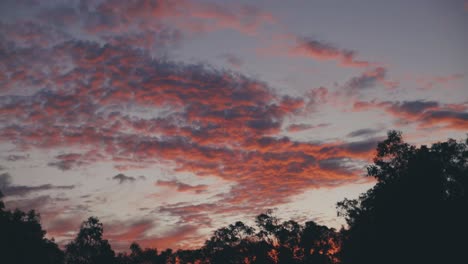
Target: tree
<point>231,244</point>
<point>418,210</point>
<point>22,239</point>
<point>319,243</point>
<point>88,246</point>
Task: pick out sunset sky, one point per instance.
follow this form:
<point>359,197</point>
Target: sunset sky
<point>170,119</point>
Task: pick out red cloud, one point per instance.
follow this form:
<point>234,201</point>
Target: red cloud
<point>217,126</point>
<point>211,122</point>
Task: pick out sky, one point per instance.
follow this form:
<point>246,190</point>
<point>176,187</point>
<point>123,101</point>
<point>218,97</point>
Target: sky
<point>170,119</point>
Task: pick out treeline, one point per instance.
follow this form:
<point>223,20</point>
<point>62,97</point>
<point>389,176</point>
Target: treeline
<point>417,212</point>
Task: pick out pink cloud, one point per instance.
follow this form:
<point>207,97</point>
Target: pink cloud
<point>324,51</point>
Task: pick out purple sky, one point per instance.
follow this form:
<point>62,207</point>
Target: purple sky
<point>169,119</point>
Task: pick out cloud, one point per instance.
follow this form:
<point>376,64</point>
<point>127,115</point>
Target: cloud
<point>38,203</point>
<point>16,157</point>
<point>218,122</point>
<point>107,89</point>
<point>363,132</point>
<point>125,106</point>
<point>212,16</point>
<point>122,178</point>
<point>67,161</point>
<point>303,127</point>
<point>122,234</point>
<point>70,161</point>
<point>363,148</point>
<point>452,119</point>
<point>440,81</point>
<point>20,190</point>
<point>425,114</point>
<point>320,50</point>
<point>342,164</point>
<point>185,236</point>
<point>151,25</point>
<point>182,187</point>
<point>369,79</point>
<point>414,107</point>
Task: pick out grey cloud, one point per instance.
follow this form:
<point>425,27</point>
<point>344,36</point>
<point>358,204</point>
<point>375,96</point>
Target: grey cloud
<point>362,146</point>
<point>122,178</point>
<point>16,157</point>
<point>18,190</point>
<point>337,164</point>
<point>366,80</point>
<point>363,132</point>
<point>415,107</point>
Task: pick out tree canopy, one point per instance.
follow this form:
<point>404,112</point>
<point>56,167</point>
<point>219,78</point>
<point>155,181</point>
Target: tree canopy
<point>88,246</point>
<point>22,239</point>
<point>417,211</point>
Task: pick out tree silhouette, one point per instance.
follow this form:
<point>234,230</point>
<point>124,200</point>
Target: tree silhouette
<point>274,242</point>
<point>231,244</point>
<point>139,256</point>
<point>22,239</point>
<point>418,210</point>
<point>88,246</point>
<point>320,243</point>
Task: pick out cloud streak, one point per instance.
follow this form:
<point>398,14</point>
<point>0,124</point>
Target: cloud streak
<point>20,190</point>
<point>320,50</point>
<point>182,187</point>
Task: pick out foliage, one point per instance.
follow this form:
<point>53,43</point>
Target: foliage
<point>89,247</point>
<point>22,239</point>
<point>417,211</point>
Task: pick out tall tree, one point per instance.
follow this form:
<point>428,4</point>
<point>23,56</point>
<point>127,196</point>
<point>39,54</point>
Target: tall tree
<point>418,210</point>
<point>88,246</point>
